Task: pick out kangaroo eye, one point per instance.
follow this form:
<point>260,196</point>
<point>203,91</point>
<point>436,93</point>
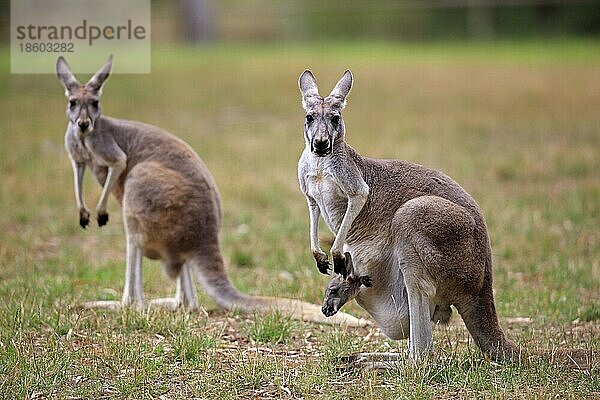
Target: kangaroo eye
<point>95,103</point>
<point>72,103</point>
<point>335,120</point>
<point>309,118</point>
<point>333,292</point>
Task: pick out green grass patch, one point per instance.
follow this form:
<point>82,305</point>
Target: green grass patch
<point>272,328</point>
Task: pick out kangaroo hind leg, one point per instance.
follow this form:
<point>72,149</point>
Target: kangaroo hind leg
<point>133,292</point>
<point>420,290</point>
<point>412,250</point>
<point>185,295</point>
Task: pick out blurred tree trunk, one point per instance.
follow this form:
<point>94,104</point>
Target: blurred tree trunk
<point>4,21</point>
<point>199,20</point>
<point>480,19</point>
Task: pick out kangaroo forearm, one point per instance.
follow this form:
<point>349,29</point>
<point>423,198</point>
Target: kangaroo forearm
<point>314,213</point>
<point>114,171</point>
<point>78,172</point>
<point>355,205</point>
<point>319,255</point>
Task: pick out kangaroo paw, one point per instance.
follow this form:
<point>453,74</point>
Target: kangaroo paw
<point>102,219</point>
<point>84,218</point>
<point>322,263</point>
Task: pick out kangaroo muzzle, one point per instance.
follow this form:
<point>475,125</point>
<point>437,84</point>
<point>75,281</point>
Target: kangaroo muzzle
<point>331,306</point>
<point>329,310</point>
<point>83,125</point>
<point>84,122</point>
<point>321,147</point>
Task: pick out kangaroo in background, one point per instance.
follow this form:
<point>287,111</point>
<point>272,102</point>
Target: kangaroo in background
<point>171,206</point>
<point>414,231</point>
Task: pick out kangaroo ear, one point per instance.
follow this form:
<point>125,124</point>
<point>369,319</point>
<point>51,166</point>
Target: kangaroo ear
<point>341,90</point>
<point>98,79</point>
<point>65,75</point>
<point>349,266</point>
<point>308,87</point>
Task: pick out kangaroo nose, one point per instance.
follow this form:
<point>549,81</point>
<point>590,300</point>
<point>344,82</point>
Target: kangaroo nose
<point>328,311</point>
<point>321,146</point>
<point>83,125</point>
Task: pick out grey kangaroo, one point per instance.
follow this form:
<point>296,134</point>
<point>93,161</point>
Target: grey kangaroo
<point>171,206</point>
<point>415,232</point>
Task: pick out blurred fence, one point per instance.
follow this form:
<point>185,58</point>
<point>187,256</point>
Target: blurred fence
<point>301,20</point>
<point>240,20</point>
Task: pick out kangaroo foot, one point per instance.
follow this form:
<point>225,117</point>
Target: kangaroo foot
<point>102,305</point>
<point>369,361</point>
<point>112,305</point>
<point>171,303</point>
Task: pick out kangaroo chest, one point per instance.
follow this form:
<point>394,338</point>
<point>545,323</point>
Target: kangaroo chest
<point>80,153</point>
<point>323,188</point>
<point>76,148</point>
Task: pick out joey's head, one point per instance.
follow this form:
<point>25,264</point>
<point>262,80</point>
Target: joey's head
<point>323,123</point>
<point>344,287</point>
<point>83,107</point>
<point>340,291</point>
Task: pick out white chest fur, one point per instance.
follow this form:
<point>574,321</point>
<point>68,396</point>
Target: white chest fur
<point>321,185</point>
<point>76,148</point>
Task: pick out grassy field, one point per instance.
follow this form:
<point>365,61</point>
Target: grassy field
<point>518,125</point>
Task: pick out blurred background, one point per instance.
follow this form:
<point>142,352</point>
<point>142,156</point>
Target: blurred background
<point>297,20</point>
<point>202,21</point>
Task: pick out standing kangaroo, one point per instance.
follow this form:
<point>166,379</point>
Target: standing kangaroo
<point>171,206</point>
<point>415,232</point>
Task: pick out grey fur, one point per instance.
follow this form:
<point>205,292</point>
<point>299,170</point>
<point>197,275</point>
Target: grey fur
<point>420,236</point>
<point>343,288</point>
<point>171,206</point>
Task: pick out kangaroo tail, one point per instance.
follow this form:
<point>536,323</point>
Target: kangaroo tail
<point>481,320</point>
<point>210,272</point>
